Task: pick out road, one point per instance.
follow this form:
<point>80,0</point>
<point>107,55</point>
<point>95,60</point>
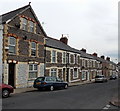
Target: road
<point>87,96</point>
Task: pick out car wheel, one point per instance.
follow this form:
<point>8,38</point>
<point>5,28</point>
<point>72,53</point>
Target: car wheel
<point>5,93</point>
<point>51,88</point>
<point>66,86</point>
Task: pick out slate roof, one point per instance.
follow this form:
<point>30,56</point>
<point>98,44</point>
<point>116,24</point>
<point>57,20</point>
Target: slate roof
<point>103,60</point>
<point>13,13</point>
<point>54,43</point>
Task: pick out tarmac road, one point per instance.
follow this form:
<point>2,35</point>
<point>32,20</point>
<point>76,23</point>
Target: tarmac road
<point>87,96</point>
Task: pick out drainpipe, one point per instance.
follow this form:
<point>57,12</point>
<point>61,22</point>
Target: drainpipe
<point>66,64</point>
<point>45,56</point>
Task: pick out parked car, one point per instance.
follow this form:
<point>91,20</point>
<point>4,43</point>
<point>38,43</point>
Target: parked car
<point>100,78</point>
<point>49,83</point>
<point>6,90</point>
<point>113,77</point>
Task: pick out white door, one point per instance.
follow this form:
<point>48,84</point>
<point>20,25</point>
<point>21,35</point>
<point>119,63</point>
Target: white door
<point>88,76</point>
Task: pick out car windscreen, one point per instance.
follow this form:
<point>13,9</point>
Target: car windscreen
<point>50,79</point>
<point>99,76</point>
<point>40,79</point>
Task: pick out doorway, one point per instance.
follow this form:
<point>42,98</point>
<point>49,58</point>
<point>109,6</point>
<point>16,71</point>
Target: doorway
<point>11,74</point>
<point>67,75</point>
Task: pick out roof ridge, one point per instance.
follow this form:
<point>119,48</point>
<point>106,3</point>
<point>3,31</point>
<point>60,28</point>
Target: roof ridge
<point>15,10</point>
<point>59,41</point>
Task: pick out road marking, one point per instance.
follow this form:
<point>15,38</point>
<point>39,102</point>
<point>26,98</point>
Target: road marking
<point>107,106</point>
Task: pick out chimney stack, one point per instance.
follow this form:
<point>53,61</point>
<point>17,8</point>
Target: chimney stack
<point>103,57</point>
<point>64,40</point>
<point>108,58</point>
<point>83,50</point>
<point>94,54</point>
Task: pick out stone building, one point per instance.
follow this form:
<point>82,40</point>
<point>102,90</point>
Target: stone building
<point>23,47</point>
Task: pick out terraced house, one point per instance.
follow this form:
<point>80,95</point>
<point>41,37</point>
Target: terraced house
<point>29,53</point>
<point>23,47</point>
<point>69,64</point>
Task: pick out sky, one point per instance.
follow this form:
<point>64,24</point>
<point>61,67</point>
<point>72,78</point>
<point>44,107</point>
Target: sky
<point>89,24</point>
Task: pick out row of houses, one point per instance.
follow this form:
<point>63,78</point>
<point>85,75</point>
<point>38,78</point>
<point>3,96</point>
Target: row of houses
<point>28,53</point>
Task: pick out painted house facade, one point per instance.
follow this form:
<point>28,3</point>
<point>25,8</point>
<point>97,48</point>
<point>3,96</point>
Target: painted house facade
<point>23,47</point>
<point>69,64</point>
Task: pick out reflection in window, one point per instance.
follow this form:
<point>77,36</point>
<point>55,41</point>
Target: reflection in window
<point>12,45</point>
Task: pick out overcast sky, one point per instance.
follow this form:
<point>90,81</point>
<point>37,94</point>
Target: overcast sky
<point>90,24</point>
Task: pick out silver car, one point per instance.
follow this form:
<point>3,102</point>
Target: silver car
<point>100,78</point>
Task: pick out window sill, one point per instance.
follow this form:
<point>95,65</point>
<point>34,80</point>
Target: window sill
<point>84,79</point>
<point>31,79</point>
<point>75,77</point>
<point>11,54</point>
<point>33,56</point>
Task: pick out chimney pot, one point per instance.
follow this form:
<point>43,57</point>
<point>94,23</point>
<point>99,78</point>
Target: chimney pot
<point>108,58</point>
<point>103,57</point>
<point>64,40</point>
<point>94,54</point>
<point>83,50</point>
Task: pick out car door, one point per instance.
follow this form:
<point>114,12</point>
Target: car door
<point>54,82</point>
<point>60,83</point>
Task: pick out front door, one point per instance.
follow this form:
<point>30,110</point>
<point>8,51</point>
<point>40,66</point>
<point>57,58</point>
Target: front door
<point>11,74</point>
<point>67,75</point>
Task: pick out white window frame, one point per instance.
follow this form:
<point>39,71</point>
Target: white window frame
<point>31,26</point>
<point>88,63</point>
<point>94,64</point>
<point>34,49</point>
<point>24,24</point>
<point>12,45</point>
<point>77,60</point>
<point>54,71</point>
<point>64,58</point>
<point>33,70</point>
<point>75,76</point>
<point>83,62</point>
<point>54,56</point>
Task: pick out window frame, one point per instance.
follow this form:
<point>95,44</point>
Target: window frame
<point>12,45</point>
<point>31,26</point>
<point>54,56</point>
<point>64,57</point>
<point>34,49</point>
<point>33,70</point>
<point>24,25</point>
<point>54,71</point>
<point>75,76</point>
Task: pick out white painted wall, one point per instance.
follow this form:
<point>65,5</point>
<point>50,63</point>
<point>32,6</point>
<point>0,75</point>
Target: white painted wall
<point>1,38</point>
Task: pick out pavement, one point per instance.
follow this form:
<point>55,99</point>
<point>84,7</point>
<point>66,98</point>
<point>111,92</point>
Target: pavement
<point>21,90</point>
<point>115,102</point>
